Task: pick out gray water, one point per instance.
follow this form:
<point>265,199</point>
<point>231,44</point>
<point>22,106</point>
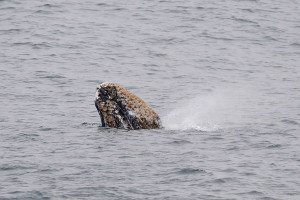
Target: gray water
<point>224,76</point>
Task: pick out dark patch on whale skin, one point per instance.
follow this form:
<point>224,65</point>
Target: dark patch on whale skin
<point>120,108</point>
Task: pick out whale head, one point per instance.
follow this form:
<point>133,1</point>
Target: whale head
<point>120,108</point>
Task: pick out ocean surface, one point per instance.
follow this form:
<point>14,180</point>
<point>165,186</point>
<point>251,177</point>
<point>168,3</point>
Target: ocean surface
<point>224,76</point>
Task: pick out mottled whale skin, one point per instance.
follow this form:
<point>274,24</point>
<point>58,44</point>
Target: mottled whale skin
<point>120,108</point>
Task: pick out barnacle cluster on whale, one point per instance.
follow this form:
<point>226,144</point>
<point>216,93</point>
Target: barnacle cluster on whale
<point>120,108</point>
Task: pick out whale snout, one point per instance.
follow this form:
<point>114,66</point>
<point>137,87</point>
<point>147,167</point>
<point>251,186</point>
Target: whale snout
<point>105,91</point>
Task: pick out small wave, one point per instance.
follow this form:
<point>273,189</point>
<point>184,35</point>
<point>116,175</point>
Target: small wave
<point>41,45</point>
<point>180,142</point>
<point>269,38</point>
<point>7,167</point>
<point>90,124</point>
<point>222,180</point>
<point>248,10</point>
<point>8,8</point>
<point>54,76</point>
<point>42,128</point>
<point>243,20</point>
<point>274,146</point>
<point>43,12</point>
<point>11,30</point>
<point>218,38</point>
<point>48,5</point>
<point>290,122</point>
<point>295,44</point>
<point>22,43</point>
<point>191,171</point>
<point>43,74</point>
<point>200,8</point>
<point>101,4</point>
<point>253,192</point>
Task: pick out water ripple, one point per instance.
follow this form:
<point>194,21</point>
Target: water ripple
<point>222,75</point>
<point>191,171</point>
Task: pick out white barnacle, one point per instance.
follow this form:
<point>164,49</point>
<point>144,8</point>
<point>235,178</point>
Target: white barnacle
<point>130,112</point>
<point>97,93</point>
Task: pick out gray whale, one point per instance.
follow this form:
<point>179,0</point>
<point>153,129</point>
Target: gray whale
<point>120,108</point>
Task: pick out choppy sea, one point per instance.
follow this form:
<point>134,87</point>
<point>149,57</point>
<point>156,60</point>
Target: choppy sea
<point>224,76</point>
